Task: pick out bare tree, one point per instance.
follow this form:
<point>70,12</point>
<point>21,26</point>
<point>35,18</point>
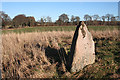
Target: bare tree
<point>113,18</point>
<point>72,19</point>
<point>117,18</point>
<point>108,16</point>
<point>64,18</point>
<point>77,19</point>
<point>103,18</point>
<point>49,19</point>
<point>4,16</point>
<point>59,22</point>
<point>90,18</point>
<point>41,21</point>
<point>96,17</point>
<point>87,17</point>
<point>5,19</point>
<point>44,18</point>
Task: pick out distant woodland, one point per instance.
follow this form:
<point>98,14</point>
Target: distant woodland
<point>21,20</point>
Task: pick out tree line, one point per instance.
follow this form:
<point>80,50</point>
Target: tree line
<point>22,20</point>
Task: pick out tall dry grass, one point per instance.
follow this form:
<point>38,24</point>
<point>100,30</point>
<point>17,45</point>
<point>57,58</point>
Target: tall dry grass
<point>23,55</point>
<point>108,34</point>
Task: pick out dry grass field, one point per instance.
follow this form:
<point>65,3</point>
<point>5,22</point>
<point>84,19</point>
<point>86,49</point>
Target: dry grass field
<point>37,55</point>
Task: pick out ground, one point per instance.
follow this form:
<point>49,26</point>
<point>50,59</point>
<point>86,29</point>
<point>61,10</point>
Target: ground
<point>37,54</point>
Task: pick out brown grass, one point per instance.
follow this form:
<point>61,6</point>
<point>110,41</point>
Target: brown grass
<point>23,55</point>
<point>114,34</point>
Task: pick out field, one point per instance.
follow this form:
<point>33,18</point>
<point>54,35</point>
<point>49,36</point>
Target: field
<point>35,53</point>
<point>57,28</point>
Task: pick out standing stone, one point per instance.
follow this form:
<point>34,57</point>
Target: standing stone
<point>82,49</point>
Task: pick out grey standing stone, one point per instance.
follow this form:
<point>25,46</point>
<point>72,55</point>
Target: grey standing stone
<point>82,49</point>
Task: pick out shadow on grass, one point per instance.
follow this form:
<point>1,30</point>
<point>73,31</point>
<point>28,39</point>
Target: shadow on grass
<point>57,56</point>
<point>60,55</point>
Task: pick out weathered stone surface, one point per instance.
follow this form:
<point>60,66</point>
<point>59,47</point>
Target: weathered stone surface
<point>84,52</point>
